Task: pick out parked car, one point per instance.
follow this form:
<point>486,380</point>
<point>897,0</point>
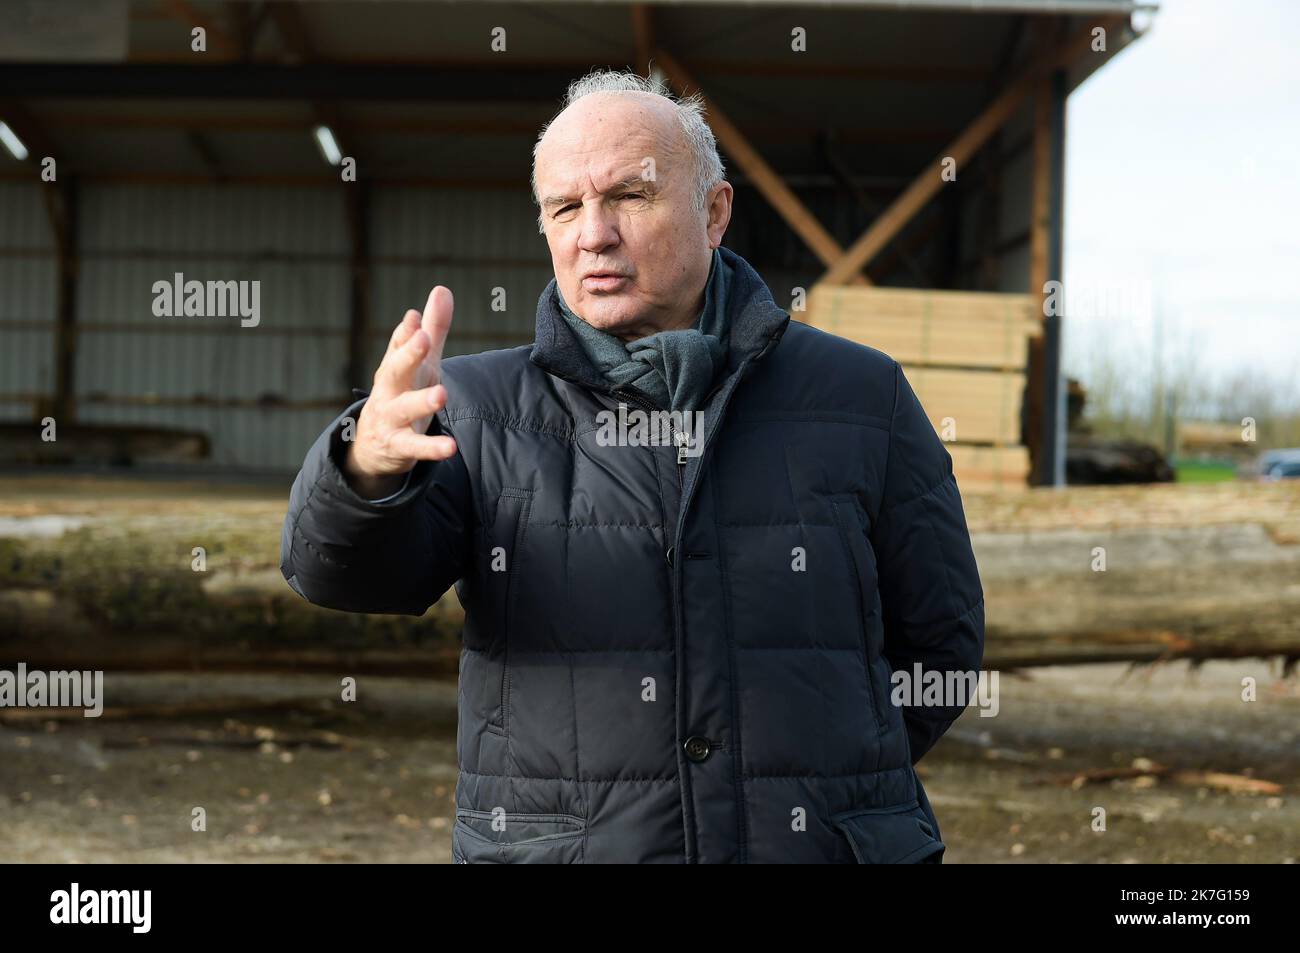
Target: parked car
<point>1286,470</point>
<point>1279,464</point>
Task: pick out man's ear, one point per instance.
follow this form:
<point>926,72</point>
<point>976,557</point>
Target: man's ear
<point>719,209</point>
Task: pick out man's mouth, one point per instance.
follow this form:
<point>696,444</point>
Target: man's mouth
<point>604,281</point>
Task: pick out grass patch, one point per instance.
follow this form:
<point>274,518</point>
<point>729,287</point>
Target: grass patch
<point>1204,471</point>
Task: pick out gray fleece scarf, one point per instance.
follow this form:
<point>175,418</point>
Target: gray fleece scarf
<point>673,368</point>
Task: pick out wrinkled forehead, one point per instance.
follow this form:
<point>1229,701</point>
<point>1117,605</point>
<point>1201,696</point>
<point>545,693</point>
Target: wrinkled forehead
<point>604,140</point>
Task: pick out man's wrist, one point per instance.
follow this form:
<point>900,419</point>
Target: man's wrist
<point>367,486</point>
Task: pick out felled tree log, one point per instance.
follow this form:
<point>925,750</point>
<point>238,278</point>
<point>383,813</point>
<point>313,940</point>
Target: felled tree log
<point>120,590</point>
<point>98,574</point>
<point>1139,595</point>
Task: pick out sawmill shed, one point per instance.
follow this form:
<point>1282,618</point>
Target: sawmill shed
<point>898,170</point>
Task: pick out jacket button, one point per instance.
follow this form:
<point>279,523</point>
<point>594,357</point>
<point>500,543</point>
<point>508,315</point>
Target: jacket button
<point>697,748</point>
<point>669,555</point>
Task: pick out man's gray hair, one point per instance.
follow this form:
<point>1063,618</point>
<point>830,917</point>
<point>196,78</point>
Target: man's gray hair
<point>707,164</point>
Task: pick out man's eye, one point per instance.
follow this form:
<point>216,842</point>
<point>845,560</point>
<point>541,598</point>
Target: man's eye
<point>626,195</point>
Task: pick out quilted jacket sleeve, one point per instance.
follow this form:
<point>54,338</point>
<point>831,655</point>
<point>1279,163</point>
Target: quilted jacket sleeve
<point>398,555</point>
<point>932,601</point>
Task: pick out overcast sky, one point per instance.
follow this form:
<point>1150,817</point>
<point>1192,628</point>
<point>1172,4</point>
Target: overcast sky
<point>1181,172</point>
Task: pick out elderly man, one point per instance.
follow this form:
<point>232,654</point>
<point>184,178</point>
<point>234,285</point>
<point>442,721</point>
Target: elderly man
<point>678,642</point>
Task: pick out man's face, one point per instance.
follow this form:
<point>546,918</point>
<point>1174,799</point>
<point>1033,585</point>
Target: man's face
<point>615,182</point>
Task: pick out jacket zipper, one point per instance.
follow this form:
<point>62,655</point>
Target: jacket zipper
<point>683,502</point>
<point>748,364</point>
<point>679,438</point>
<point>741,371</point>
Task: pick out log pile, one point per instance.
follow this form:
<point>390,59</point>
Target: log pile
<point>98,579</point>
<point>94,575</point>
<point>1139,573</point>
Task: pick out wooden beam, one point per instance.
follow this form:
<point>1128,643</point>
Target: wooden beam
<point>218,40</point>
<point>1040,210</point>
<point>230,80</point>
<point>1040,223</point>
<point>290,123</point>
<point>1046,379</point>
<point>60,198</point>
<point>357,196</point>
<point>64,409</point>
<point>844,176</point>
<point>513,184</point>
<point>421,126</point>
<point>930,181</point>
<point>793,68</point>
<point>764,177</point>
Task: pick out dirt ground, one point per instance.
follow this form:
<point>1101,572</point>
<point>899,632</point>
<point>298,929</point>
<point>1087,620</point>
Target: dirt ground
<point>319,779</point>
<point>295,774</point>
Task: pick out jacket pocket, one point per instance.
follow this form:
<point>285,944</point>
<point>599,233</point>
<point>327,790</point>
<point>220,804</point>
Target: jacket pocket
<point>862,567</point>
<point>509,530</point>
<point>483,837</point>
<point>900,834</point>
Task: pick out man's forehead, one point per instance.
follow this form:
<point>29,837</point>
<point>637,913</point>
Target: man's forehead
<point>614,115</point>
<point>578,174</point>
<point>605,143</point>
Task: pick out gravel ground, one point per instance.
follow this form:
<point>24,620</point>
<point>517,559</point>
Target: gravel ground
<point>374,779</point>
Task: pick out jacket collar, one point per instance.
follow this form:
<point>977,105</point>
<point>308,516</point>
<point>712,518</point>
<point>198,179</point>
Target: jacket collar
<point>754,319</point>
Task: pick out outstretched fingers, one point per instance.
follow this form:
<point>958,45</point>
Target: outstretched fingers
<point>417,405</point>
<point>409,324</point>
<point>414,446</point>
<point>397,372</point>
<point>392,433</point>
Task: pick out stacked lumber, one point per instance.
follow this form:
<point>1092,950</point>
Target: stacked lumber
<point>965,354</point>
<point>1207,437</point>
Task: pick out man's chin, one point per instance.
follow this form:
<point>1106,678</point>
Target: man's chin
<point>609,316</point>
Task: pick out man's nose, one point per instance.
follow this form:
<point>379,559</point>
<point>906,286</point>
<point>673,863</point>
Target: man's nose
<point>599,230</point>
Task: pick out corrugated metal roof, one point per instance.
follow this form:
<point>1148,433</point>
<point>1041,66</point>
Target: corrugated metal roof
<point>912,72</point>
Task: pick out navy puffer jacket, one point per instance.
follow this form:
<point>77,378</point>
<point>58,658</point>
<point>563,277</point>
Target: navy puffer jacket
<point>663,661</point>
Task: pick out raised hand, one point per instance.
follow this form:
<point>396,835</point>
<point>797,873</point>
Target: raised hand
<point>390,435</point>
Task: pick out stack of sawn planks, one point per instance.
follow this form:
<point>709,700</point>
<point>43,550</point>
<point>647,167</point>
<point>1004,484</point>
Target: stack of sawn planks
<point>965,354</point>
